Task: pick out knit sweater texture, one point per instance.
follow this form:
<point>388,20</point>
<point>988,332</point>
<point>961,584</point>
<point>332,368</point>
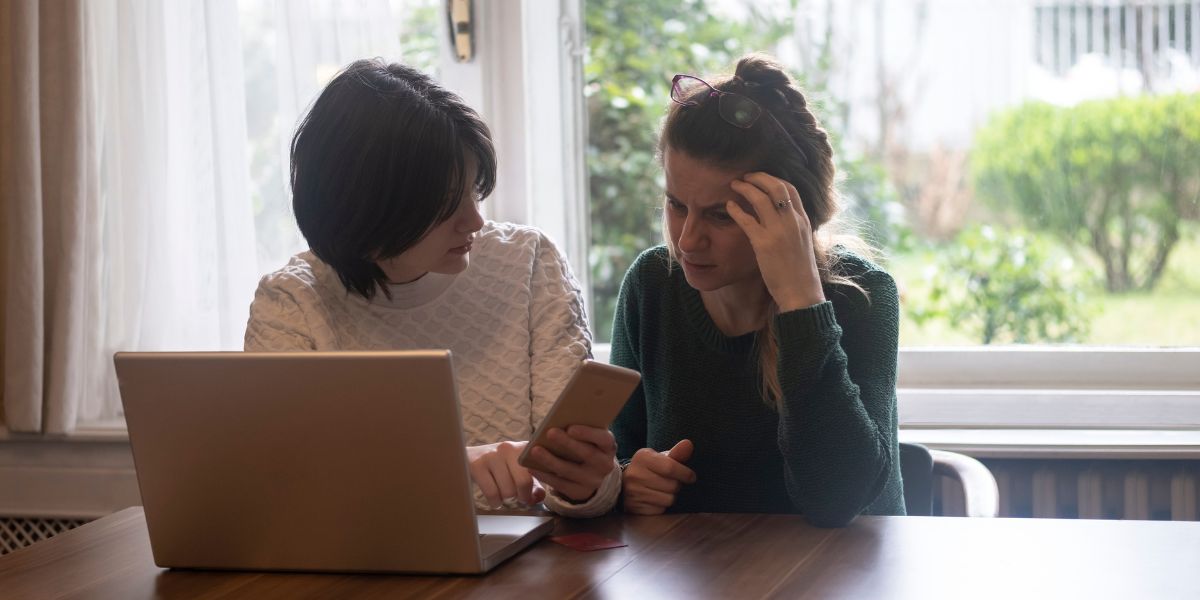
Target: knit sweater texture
<point>513,321</point>
<point>829,451</point>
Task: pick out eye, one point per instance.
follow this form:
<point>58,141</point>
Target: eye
<point>721,217</point>
<point>676,206</point>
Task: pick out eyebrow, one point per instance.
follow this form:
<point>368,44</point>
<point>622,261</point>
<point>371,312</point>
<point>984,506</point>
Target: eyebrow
<point>719,206</point>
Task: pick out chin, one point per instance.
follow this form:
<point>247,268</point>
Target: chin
<point>453,266</point>
<point>705,284</point>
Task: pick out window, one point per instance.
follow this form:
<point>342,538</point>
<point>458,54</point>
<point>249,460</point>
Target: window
<point>1027,168</point>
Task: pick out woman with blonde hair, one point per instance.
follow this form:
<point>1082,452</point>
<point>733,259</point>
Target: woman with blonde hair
<point>768,352</point>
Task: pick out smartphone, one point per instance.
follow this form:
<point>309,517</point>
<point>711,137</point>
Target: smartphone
<point>593,397</point>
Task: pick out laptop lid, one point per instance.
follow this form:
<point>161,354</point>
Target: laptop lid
<point>344,461</point>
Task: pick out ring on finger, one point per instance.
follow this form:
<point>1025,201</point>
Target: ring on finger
<point>782,204</point>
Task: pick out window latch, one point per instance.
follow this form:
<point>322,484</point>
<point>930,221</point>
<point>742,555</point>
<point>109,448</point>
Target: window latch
<point>462,28</point>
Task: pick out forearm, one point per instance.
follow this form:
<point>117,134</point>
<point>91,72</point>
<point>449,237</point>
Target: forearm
<point>836,454</point>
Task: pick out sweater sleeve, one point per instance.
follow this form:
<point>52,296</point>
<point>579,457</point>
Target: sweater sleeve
<point>629,428</point>
<point>837,426</point>
<point>277,321</point>
<point>559,341</point>
<point>559,337</point>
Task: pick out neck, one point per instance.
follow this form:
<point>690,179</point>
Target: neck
<point>406,278</point>
<point>739,308</point>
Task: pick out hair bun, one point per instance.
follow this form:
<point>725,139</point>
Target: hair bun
<point>761,70</point>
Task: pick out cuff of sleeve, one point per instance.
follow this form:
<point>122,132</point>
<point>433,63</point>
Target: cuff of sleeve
<point>805,337</point>
<point>804,322</point>
<point>600,503</point>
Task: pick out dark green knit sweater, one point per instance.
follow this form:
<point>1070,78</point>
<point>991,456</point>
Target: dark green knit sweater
<point>830,453</point>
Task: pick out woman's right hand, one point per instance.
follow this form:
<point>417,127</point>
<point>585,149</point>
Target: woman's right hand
<point>653,478</point>
<point>495,470</point>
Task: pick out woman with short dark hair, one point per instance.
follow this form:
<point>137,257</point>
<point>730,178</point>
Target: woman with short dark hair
<point>388,171</point>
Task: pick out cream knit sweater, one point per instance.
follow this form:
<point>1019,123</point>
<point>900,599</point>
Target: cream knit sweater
<point>513,321</point>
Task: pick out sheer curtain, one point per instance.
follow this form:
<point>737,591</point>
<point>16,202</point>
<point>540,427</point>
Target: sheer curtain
<point>290,50</point>
<point>176,229</point>
<point>153,194</point>
<point>197,102</point>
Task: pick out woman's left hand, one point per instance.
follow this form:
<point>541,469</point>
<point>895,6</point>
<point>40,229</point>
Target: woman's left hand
<point>782,239</point>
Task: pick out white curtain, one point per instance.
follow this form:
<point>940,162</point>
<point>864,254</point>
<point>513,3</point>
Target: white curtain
<point>177,243</point>
<point>146,189</point>
<point>291,50</point>
<point>199,115</point>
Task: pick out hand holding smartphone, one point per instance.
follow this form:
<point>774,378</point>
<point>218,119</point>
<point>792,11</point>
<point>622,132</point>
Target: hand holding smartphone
<point>593,397</point>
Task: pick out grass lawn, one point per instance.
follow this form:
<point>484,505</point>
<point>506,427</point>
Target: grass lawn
<point>1168,316</point>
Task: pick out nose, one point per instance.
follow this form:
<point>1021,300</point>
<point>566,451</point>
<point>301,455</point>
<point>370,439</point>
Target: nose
<point>692,237</point>
<point>470,219</point>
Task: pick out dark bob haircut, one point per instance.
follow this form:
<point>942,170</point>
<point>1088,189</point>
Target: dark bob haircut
<point>378,161</point>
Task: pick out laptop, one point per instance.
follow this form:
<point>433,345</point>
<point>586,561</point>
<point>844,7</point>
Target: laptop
<point>312,461</point>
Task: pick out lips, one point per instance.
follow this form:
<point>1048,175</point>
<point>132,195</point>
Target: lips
<point>463,249</point>
<point>694,265</point>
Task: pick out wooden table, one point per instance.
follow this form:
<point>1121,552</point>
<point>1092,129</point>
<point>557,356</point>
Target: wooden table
<point>688,556</point>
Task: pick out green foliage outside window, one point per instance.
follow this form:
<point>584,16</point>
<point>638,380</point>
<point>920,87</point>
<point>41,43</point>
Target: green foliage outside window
<point>1007,286</point>
<point>1114,176</point>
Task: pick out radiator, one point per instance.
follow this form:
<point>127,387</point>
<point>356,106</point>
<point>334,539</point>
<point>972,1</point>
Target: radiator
<point>1161,490</point>
<point>16,533</point>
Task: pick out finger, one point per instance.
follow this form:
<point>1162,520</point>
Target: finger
<point>794,197</point>
<point>651,497</point>
<point>487,484</point>
<point>590,455</point>
<point>672,469</point>
<point>562,468</point>
<point>564,446</point>
<point>758,199</point>
<point>655,482</point>
<point>522,481</point>
<point>681,452</point>
<point>565,487</point>
<point>538,493</point>
<point>745,220</point>
<point>775,188</point>
<point>602,439</point>
<point>637,508</point>
<point>504,481</point>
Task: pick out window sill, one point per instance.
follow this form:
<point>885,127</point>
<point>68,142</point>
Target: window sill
<point>1111,444</point>
<point>84,475</point>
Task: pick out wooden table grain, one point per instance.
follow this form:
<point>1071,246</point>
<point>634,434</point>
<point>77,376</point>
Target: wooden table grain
<point>686,556</point>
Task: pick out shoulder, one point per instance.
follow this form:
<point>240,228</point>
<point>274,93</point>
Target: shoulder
<point>509,239</point>
<point>876,289</point>
<point>300,277</point>
<point>651,279</point>
<point>499,246</point>
<point>651,266</point>
<point>862,271</point>
<point>284,305</point>
<point>503,247</point>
